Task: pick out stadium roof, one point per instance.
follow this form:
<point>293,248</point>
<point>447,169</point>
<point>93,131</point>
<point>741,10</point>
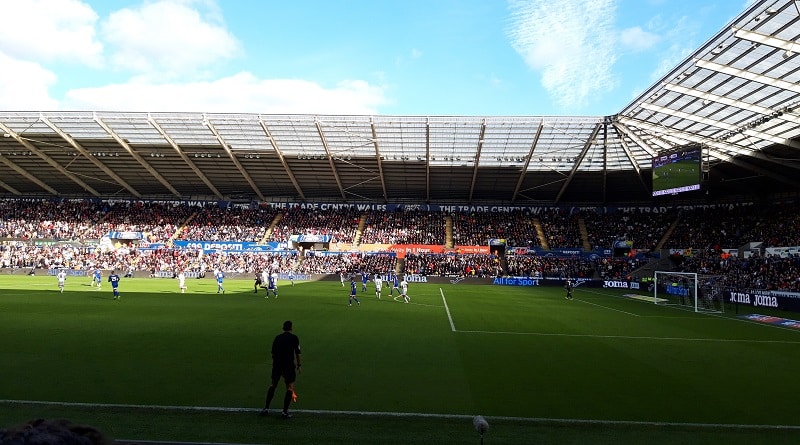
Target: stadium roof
<point>738,96</point>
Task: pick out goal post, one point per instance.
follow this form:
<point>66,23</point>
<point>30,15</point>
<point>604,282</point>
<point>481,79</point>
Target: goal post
<point>698,293</point>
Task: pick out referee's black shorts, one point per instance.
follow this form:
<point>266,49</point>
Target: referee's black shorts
<point>288,373</point>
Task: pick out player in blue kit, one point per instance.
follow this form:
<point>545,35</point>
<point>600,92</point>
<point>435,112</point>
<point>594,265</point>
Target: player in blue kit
<point>364,280</point>
<point>353,292</point>
<point>272,285</point>
<point>395,284</point>
<point>114,280</point>
<point>97,277</point>
<point>219,276</point>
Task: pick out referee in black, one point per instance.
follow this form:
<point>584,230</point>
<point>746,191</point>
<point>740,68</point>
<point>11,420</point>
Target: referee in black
<point>285,348</point>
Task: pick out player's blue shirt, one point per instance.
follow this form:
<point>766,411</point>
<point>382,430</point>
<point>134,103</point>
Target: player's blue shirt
<point>364,277</point>
<point>353,288</point>
<point>220,276</point>
<point>114,280</point>
<point>97,274</point>
<point>271,284</point>
<point>395,280</point>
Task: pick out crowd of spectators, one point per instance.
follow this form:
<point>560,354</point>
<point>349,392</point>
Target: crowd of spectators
<point>341,224</point>
<point>476,229</point>
<point>347,262</point>
<point>643,230</point>
<point>212,223</point>
<point>403,227</point>
<point>29,219</point>
<point>535,266</point>
<point>452,264</point>
<point>771,272</point>
<point>72,225</point>
<point>158,222</point>
<point>561,228</point>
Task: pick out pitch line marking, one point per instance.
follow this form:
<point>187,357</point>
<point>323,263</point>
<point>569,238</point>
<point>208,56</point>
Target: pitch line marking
<point>635,337</point>
<point>610,308</point>
<point>395,414</point>
<point>447,309</point>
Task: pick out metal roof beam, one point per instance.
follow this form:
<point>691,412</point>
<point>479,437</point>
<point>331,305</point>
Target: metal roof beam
<point>578,162</point>
<point>721,125</point>
<point>10,189</point>
<point>768,40</point>
<point>50,161</point>
<point>85,153</point>
<point>183,156</point>
<point>622,128</point>
<point>683,137</point>
<point>477,159</point>
<point>737,161</point>
<point>629,154</point>
<point>26,175</point>
<point>136,156</point>
<point>527,161</point>
<point>427,159</point>
<point>282,159</point>
<point>378,158</point>
<point>235,161</point>
<point>330,158</point>
<point>605,157</point>
<point>714,148</point>
<point>736,72</point>
<point>757,109</point>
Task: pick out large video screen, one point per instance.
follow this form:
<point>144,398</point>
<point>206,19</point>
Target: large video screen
<point>677,171</point>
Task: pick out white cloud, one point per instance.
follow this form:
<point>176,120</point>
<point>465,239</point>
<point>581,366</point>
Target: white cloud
<point>415,53</point>
<point>638,39</point>
<point>167,39</point>
<point>243,93</point>
<point>571,43</point>
<point>50,30</point>
<point>24,85</point>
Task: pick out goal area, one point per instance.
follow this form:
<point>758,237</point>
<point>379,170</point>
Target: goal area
<point>695,292</point>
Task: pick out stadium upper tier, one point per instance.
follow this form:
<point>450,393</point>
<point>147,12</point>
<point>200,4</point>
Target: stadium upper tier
<point>736,96</point>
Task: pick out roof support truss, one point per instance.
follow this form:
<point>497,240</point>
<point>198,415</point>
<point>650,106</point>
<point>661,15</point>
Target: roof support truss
<point>527,161</point>
<point>714,150</point>
<point>50,161</point>
<point>285,164</point>
<point>330,158</point>
<point>731,71</point>
<point>578,161</point>
<point>378,157</point>
<point>89,156</point>
<point>136,156</point>
<point>721,125</point>
<point>185,158</point>
<point>477,159</point>
<point>233,158</point>
<point>26,175</point>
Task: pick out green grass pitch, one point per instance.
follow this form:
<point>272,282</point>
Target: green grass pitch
<point>526,358</point>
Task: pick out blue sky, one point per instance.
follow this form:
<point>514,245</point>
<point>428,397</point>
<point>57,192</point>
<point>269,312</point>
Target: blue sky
<point>409,57</point>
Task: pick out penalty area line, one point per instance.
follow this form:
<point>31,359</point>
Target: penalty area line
<point>447,309</point>
<point>542,420</point>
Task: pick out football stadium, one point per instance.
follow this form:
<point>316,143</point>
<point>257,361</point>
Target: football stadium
<point>629,278</point>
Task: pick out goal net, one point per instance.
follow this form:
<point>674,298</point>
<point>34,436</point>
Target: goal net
<point>699,293</point>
